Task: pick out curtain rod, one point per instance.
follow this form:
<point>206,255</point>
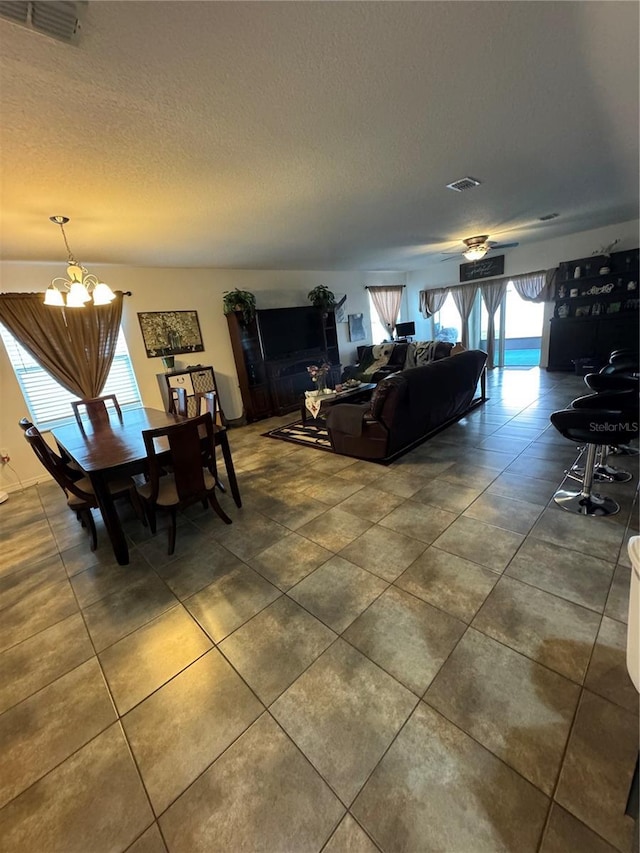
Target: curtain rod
<point>367,286</point>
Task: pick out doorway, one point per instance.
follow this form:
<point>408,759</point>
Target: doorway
<point>518,325</point>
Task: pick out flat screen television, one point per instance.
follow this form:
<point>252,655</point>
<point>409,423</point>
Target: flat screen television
<point>404,330</point>
<point>284,331</point>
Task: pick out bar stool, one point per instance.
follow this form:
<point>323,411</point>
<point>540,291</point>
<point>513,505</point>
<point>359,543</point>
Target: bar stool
<point>616,378</point>
<point>626,398</point>
<point>593,427</point>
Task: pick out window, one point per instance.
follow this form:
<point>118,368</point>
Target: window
<point>446,322</point>
<point>378,332</point>
<point>48,402</point>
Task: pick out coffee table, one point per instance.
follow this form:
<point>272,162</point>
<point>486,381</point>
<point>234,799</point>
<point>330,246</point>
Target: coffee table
<point>360,394</point>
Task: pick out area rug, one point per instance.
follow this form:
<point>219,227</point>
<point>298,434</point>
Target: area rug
<point>310,435</point>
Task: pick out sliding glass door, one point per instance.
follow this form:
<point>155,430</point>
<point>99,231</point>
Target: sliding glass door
<point>518,325</point>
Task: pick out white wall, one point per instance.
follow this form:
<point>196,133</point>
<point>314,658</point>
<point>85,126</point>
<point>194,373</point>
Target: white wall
<point>166,290</point>
<point>541,255</point>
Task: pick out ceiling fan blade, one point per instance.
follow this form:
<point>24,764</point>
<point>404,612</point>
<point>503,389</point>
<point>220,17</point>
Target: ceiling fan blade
<point>504,245</point>
<point>452,257</point>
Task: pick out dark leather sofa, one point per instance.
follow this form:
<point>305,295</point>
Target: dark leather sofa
<point>408,407</point>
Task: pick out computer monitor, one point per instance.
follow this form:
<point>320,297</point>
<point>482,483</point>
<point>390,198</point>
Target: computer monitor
<point>406,330</point>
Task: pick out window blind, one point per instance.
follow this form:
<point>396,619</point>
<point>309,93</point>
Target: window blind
<point>48,402</point>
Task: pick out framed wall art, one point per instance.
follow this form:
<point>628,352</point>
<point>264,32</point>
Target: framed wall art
<point>356,327</point>
<point>485,268</point>
<point>170,332</point>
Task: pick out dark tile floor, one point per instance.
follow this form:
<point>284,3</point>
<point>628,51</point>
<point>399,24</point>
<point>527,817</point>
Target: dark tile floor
<point>428,656</point>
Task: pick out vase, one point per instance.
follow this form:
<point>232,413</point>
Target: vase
<point>168,361</point>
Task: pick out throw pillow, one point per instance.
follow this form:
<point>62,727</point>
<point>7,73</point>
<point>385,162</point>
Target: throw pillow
<point>380,394</point>
<point>381,355</point>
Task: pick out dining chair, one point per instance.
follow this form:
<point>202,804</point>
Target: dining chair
<point>221,439</point>
<point>180,403</point>
<point>208,401</point>
<point>192,476</point>
<point>80,495</point>
<point>96,409</point>
<point>24,424</point>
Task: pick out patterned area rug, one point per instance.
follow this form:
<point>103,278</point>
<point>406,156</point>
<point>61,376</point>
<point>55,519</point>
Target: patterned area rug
<point>310,434</point>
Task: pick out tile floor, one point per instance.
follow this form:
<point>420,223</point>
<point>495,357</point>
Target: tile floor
<point>427,656</point>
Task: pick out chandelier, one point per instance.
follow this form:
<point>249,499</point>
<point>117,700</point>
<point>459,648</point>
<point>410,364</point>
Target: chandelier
<point>81,286</point>
<point>477,247</point>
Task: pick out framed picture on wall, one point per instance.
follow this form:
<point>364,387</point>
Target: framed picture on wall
<point>170,332</point>
<point>356,327</point>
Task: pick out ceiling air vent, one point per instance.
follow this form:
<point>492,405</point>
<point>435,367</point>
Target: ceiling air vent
<point>55,18</point>
<point>463,184</point>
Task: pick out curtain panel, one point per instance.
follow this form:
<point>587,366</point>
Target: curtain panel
<point>386,301</point>
<point>492,295</point>
<point>464,297</point>
<point>431,301</point>
<point>533,286</point>
<point>76,345</point>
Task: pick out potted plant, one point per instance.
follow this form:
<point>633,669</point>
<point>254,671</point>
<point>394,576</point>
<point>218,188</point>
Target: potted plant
<point>240,300</point>
<point>168,359</point>
<point>605,252</point>
<point>321,297</point>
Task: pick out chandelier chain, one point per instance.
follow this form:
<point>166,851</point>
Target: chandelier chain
<point>70,258</point>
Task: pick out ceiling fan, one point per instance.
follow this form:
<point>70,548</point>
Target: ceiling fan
<point>477,248</point>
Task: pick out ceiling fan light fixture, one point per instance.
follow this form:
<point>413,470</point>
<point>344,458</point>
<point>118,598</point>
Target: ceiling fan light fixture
<point>477,247</point>
<point>476,253</point>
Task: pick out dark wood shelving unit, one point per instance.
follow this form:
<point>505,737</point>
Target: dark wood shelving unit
<point>594,312</point>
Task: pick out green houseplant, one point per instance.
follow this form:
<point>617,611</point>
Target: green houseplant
<point>240,300</point>
<point>321,297</point>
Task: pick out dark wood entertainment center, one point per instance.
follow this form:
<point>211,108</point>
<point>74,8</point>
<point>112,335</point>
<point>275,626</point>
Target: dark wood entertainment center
<point>273,385</point>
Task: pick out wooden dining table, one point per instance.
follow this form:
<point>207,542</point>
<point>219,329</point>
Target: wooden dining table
<point>114,449</point>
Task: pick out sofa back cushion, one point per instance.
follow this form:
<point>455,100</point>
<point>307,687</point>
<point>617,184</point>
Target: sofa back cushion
<point>423,352</point>
<point>417,400</point>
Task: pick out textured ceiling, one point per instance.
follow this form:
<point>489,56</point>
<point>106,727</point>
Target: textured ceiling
<point>316,135</point>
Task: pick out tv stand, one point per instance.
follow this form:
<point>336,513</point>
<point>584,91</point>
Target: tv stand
<point>273,386</point>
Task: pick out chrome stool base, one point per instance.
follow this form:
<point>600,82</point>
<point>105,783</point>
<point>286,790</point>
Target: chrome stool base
<point>625,450</point>
<point>601,474</point>
<point>594,505</point>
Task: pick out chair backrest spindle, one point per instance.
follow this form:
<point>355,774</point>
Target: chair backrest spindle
<point>180,402</point>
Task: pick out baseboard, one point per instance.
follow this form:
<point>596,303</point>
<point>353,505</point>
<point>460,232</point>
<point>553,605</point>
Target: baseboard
<point>24,484</point>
